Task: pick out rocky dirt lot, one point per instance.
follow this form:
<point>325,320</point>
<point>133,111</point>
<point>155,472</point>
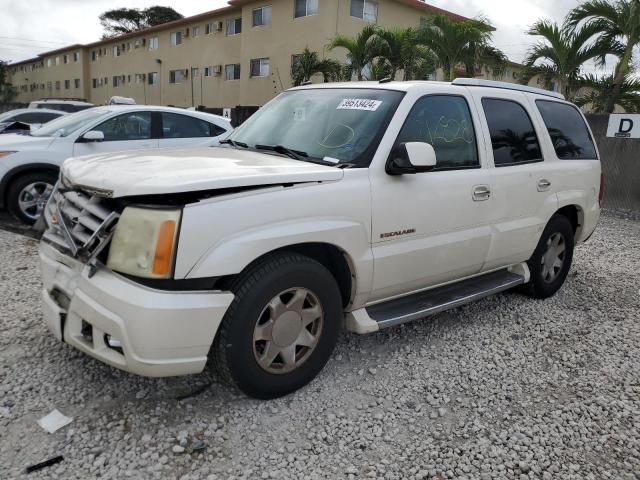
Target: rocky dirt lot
<point>505,388</point>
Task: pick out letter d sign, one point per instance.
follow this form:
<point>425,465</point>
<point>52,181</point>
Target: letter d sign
<point>623,125</point>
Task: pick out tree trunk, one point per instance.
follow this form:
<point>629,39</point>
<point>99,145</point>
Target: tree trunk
<point>621,73</point>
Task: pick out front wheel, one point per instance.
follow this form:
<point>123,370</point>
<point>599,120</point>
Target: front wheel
<point>27,195</point>
<point>281,328</point>
<point>551,260</point>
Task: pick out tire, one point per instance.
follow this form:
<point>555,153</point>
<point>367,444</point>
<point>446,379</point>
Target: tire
<point>30,189</point>
<point>273,299</point>
<point>549,268</point>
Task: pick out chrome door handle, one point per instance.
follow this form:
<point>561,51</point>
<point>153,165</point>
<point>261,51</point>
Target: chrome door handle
<point>481,193</point>
<point>543,185</point>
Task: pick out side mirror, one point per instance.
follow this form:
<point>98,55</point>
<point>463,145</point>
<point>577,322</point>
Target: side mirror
<point>411,157</point>
<point>92,136</point>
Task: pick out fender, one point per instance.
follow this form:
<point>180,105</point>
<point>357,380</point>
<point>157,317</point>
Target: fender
<point>20,169</point>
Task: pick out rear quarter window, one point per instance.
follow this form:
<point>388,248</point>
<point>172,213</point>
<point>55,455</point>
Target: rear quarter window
<point>569,133</point>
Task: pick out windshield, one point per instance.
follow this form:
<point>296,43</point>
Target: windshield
<point>341,125</point>
<point>7,115</point>
<point>67,124</point>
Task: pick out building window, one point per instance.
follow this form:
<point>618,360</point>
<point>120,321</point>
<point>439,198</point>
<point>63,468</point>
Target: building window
<point>304,8</point>
<point>195,72</point>
<point>153,43</point>
<point>153,78</point>
<point>65,59</point>
<point>232,72</point>
<point>57,84</point>
<point>57,60</point>
<point>76,83</point>
<point>67,84</point>
<point>234,26</point>
<point>176,76</point>
<point>364,9</point>
<point>116,50</point>
<point>261,16</point>
<point>76,56</point>
<point>259,67</point>
<point>208,28</point>
<point>176,38</point>
<point>93,56</point>
<point>208,71</point>
<point>94,82</point>
<point>49,62</point>
<point>195,32</point>
<point>118,80</point>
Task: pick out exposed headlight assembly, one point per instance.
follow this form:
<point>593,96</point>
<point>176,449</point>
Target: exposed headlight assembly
<point>144,242</point>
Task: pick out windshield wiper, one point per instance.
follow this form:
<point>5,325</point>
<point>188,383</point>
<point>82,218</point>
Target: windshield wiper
<point>295,154</point>
<point>233,143</point>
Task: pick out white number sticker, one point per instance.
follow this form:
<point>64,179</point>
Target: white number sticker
<point>359,104</point>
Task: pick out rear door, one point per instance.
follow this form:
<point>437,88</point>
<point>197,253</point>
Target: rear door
<point>185,130</point>
<point>128,131</point>
<point>521,186</point>
<point>433,227</point>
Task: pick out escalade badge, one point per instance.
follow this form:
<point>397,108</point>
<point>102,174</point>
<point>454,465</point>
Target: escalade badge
<point>398,233</point>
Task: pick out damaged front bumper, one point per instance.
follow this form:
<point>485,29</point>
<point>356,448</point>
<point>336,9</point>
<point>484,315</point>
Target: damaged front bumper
<point>138,329</point>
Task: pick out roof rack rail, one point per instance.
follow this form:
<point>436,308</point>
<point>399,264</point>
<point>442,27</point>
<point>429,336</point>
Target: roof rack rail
<point>477,82</point>
<point>73,99</point>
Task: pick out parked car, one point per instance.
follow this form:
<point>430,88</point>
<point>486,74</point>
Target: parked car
<point>66,105</point>
<point>380,203</point>
<point>28,117</point>
<point>29,166</point>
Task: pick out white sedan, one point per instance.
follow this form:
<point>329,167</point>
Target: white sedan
<point>29,163</point>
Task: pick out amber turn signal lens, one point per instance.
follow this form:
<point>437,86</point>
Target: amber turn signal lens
<point>164,248</point>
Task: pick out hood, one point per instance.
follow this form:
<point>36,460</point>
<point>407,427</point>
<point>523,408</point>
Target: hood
<point>151,172</point>
<point>13,141</point>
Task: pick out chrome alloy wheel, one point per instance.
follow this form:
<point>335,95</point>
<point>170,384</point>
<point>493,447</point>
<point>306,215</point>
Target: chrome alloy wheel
<point>33,198</point>
<point>553,257</point>
<point>288,330</point>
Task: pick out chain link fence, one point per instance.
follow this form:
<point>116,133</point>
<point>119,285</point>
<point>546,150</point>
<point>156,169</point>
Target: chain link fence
<point>620,158</point>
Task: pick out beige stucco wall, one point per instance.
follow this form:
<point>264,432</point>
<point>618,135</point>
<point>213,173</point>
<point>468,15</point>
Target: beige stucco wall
<point>278,41</point>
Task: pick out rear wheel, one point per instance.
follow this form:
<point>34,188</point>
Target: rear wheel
<point>28,194</point>
<point>551,260</point>
<point>281,328</point>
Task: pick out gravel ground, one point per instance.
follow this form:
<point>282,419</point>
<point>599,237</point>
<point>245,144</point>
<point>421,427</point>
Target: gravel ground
<point>508,387</point>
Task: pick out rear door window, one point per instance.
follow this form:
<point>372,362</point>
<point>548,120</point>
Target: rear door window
<point>569,133</point>
<point>513,137</point>
<point>175,125</point>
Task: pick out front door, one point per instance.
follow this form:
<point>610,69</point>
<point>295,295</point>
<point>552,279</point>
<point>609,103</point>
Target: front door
<point>432,227</point>
<point>128,131</point>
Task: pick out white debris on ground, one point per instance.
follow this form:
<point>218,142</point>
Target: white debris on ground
<point>505,388</point>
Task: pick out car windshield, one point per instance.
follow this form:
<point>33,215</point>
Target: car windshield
<point>7,115</point>
<point>337,125</point>
<point>67,124</point>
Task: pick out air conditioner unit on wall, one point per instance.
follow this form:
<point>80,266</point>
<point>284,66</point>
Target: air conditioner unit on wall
<point>217,69</point>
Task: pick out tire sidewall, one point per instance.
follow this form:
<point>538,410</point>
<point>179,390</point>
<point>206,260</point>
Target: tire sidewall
<point>541,288</point>
<point>244,368</point>
<point>16,187</point>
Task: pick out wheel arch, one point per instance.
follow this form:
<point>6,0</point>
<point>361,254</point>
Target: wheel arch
<point>575,214</point>
<point>333,258</point>
<point>20,170</point>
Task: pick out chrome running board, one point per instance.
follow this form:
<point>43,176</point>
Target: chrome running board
<point>429,302</point>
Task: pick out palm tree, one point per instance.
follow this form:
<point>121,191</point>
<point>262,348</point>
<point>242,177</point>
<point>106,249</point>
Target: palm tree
<point>560,54</point>
<point>308,64</point>
<point>401,49</point>
<point>617,26</point>
<point>598,92</point>
<point>361,49</point>
<point>457,43</point>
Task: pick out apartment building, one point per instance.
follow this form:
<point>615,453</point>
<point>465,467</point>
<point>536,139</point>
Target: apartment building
<point>237,55</point>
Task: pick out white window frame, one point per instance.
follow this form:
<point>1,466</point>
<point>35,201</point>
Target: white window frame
<point>153,43</point>
<point>176,38</point>
<point>232,21</point>
<point>153,78</point>
<point>364,17</point>
<point>116,51</point>
<point>307,13</point>
<point>262,16</point>
<point>195,31</point>
<point>233,65</point>
<point>178,76</point>
<point>208,71</point>
<point>263,72</point>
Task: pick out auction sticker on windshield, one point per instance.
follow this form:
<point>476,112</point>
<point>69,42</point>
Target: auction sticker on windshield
<point>359,104</point>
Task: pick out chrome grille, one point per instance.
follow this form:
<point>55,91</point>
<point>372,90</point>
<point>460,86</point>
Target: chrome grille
<point>79,222</point>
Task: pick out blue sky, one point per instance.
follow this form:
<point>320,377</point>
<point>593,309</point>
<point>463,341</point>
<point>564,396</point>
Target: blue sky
<point>63,22</point>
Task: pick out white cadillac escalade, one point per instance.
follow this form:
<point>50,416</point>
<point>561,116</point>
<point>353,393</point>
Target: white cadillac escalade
<point>361,204</point>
